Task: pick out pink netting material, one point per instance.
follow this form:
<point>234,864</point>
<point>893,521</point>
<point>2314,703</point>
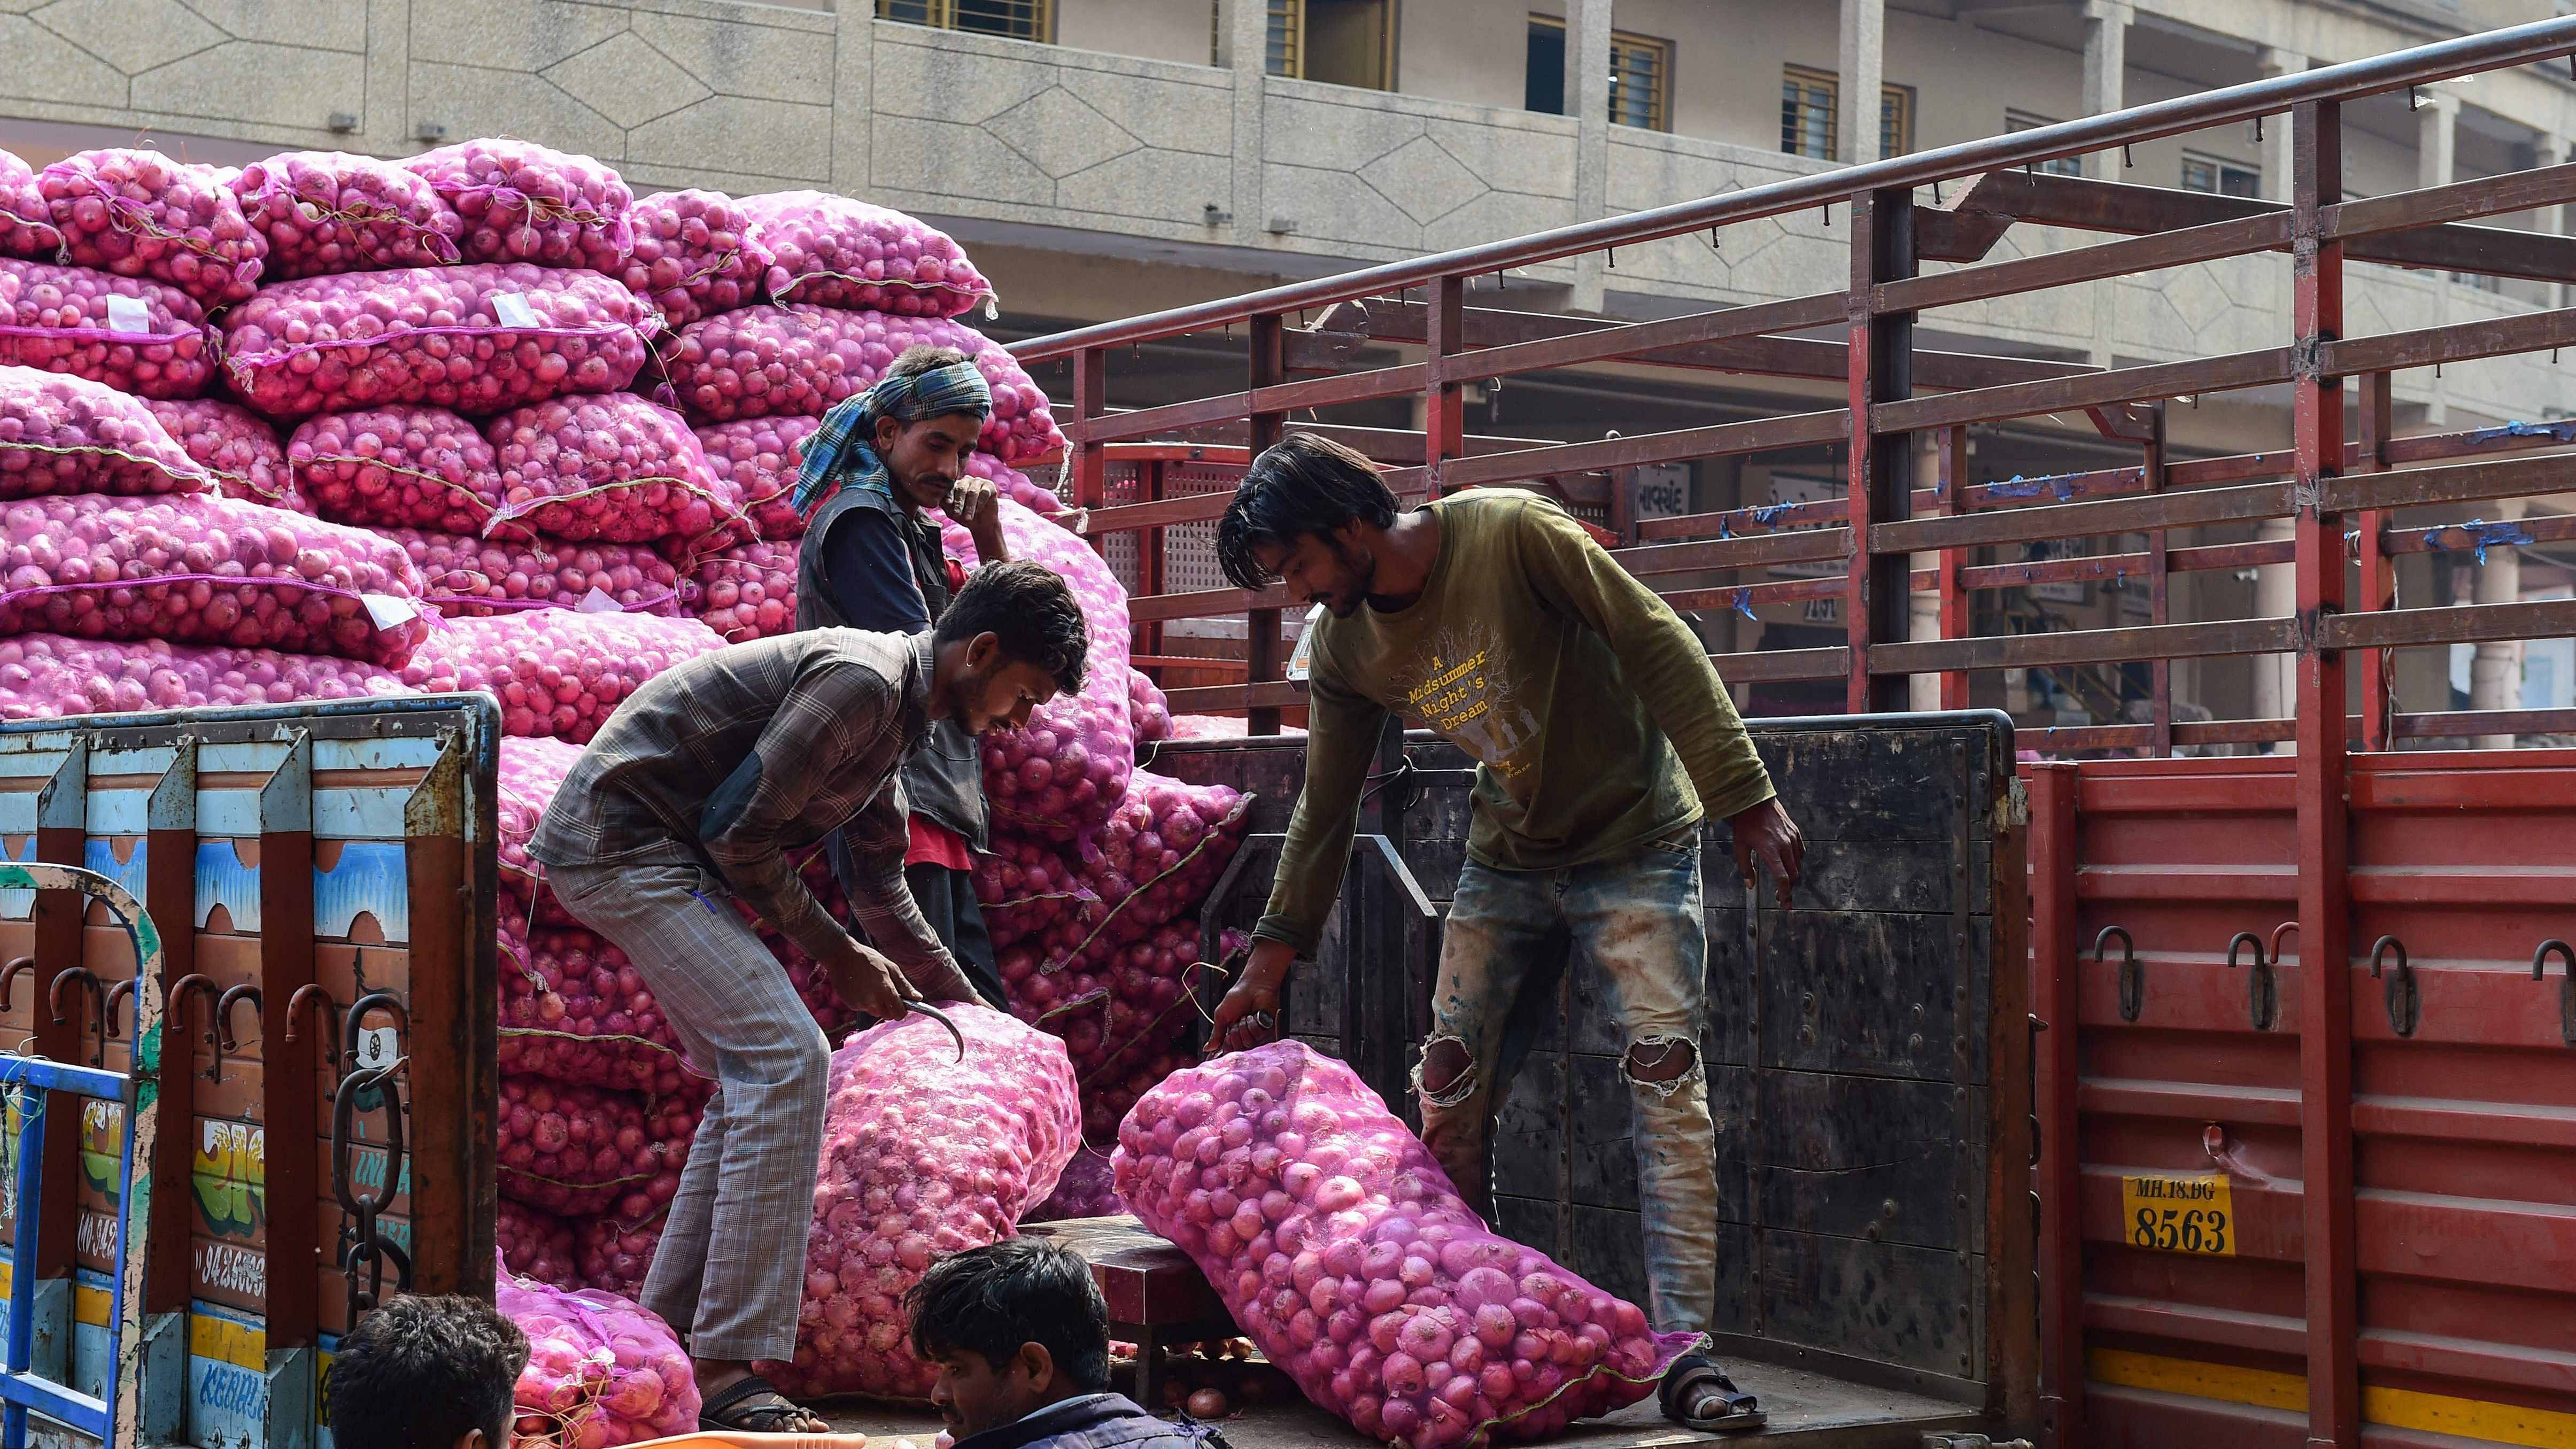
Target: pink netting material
<point>69,435</point>
<point>236,447</point>
<point>328,211</point>
<point>522,202</point>
<point>748,592</point>
<point>694,254</point>
<point>760,457</point>
<point>833,251</point>
<point>134,335</point>
<point>578,1150</point>
<point>26,224</point>
<point>141,214</point>
<point>614,1256</point>
<point>557,672</point>
<point>601,1372</point>
<point>537,1244</point>
<point>575,1009</point>
<point>47,676</point>
<point>613,467</point>
<point>475,578</point>
<point>397,467</point>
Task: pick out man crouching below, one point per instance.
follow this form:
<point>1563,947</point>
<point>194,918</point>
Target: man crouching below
<point>1018,1336</point>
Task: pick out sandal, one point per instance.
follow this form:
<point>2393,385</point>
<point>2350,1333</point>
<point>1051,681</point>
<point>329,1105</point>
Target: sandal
<point>754,1406</point>
<point>1695,1382</point>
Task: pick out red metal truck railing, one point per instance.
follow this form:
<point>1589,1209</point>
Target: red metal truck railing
<point>2337,494</point>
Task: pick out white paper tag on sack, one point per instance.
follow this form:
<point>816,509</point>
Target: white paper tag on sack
<point>378,1046</point>
<point>128,314</point>
<point>596,601</point>
<point>1303,657</point>
<point>389,612</point>
<point>513,309</point>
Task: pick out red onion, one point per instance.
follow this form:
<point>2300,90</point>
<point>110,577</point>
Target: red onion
<point>1083,1191</point>
<point>557,672</point>
<point>475,578</point>
<point>538,1245</point>
<point>760,457</point>
<point>614,1257</point>
<point>695,254</point>
<point>397,467</point>
<point>1349,1258</point>
<point>532,770</point>
<point>799,361</point>
<point>1147,709</point>
<point>583,1150</point>
<point>479,339</point>
<point>46,676</point>
<point>150,340</point>
<point>609,466</point>
<point>575,1009</point>
<point>236,447</point>
<point>601,1372</point>
<point>524,203</point>
<point>749,592</point>
<point>1026,887</point>
<point>141,214</point>
<point>61,435</point>
<point>922,1155</point>
<point>832,251</point>
<point>328,211</point>
<point>1018,487</point>
<point>207,570</point>
<point>26,224</point>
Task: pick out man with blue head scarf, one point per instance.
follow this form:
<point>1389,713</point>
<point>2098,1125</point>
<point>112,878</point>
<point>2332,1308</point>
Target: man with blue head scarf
<point>871,560</point>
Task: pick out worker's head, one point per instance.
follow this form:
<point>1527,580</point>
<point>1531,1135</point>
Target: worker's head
<point>1009,1329</point>
<point>1012,639</point>
<point>928,420</point>
<point>427,1373</point>
<point>1309,513</point>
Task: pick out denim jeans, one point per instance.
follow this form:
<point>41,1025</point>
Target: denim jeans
<point>1635,923</point>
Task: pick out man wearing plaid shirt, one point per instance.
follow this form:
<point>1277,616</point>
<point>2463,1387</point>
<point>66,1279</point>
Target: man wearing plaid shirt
<point>690,798</point>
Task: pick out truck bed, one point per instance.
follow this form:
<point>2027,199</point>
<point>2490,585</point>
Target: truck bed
<point>1806,1409</point>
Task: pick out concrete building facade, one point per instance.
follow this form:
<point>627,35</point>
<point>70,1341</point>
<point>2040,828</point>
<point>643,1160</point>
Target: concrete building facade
<point>1106,157</point>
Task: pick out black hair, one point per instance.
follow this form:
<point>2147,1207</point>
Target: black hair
<point>1030,609</point>
<point>1302,484</point>
<point>992,1299</point>
<point>421,1371</point>
<point>922,357</point>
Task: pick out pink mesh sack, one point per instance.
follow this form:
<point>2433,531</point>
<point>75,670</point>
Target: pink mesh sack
<point>601,1372</point>
<point>26,223</point>
<point>575,1009</point>
<point>236,447</point>
<point>614,1257</point>
<point>578,1150</point>
<point>141,214</point>
<point>538,1245</point>
<point>136,336</point>
<point>800,360</point>
<point>475,578</point>
<point>1349,1258</point>
<point>694,254</point>
<point>1067,769</point>
<point>478,339</point>
<point>1125,1015</point>
<point>760,457</point>
<point>524,203</point>
<point>557,672</point>
<point>1084,1191</point>
<point>1147,709</point>
<point>1020,489</point>
<point>397,467</point>
<point>207,570</point>
<point>832,251</point>
<point>922,1155</point>
<point>1027,887</point>
<point>1159,854</point>
<point>609,466</point>
<point>748,592</point>
<point>62,435</point>
<point>532,769</point>
<point>328,211</point>
<point>46,676</point>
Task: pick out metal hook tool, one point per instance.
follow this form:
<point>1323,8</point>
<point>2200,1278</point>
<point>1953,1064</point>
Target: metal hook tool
<point>2405,1007</point>
<point>937,1015</point>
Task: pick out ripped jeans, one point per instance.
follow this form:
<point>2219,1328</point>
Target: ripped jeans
<point>1634,922</point>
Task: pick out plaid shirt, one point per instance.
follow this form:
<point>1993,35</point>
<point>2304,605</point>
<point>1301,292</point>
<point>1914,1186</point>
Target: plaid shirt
<point>737,757</point>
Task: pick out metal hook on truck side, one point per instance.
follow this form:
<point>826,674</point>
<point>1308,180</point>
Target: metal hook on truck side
<point>98,1005</point>
<point>312,991</point>
<point>116,996</point>
<point>2261,1000</point>
<point>176,1009</point>
<point>2566,983</point>
<point>2404,1006</point>
<point>9,977</point>
<point>233,995</point>
<point>2133,980</point>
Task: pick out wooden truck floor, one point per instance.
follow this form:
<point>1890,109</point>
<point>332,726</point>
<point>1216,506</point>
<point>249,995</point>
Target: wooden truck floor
<point>1806,1409</point>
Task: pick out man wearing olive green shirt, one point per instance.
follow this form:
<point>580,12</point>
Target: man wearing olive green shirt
<point>1603,738</point>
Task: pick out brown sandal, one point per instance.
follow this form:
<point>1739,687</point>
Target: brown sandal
<point>755,1406</point>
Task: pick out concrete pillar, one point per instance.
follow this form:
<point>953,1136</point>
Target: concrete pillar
<point>2437,125</point>
<point>1923,608</point>
<point>2554,151</point>
<point>1243,46</point>
<point>2495,671</point>
<point>1864,70</point>
<point>853,101</point>
<point>1587,99</point>
<point>2277,165</point>
<point>2106,61</point>
<point>2276,596</point>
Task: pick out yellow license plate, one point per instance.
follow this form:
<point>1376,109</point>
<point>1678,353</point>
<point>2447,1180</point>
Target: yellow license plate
<point>2179,1214</point>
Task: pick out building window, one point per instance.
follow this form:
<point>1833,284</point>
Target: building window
<point>1641,75</point>
<point>1338,42</point>
<point>2026,121</point>
<point>2220,178</point>
<point>1810,123</point>
<point>1015,19</point>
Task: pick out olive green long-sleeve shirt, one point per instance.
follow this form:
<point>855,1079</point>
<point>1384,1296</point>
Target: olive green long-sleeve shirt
<point>1596,720</point>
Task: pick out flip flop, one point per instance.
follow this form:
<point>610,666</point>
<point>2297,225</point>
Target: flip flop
<point>1689,1380</point>
<point>755,1407</point>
